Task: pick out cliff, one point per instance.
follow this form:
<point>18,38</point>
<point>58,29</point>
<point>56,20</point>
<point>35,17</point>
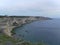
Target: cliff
<point>7,23</point>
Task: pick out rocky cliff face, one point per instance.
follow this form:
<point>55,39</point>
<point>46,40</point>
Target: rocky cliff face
<point>7,23</point>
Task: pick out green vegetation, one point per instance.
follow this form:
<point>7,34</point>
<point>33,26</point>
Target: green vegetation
<point>6,40</point>
<point>13,32</point>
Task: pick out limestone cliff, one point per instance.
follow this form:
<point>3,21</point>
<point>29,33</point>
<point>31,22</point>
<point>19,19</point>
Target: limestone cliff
<point>7,23</point>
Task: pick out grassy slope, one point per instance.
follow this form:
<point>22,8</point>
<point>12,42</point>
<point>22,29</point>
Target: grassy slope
<point>4,39</point>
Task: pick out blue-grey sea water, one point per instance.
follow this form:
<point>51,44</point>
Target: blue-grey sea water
<point>47,31</point>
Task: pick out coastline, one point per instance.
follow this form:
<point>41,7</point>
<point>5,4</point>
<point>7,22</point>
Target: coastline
<point>13,29</point>
<point>9,23</point>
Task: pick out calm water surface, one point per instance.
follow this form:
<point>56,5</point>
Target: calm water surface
<point>47,31</point>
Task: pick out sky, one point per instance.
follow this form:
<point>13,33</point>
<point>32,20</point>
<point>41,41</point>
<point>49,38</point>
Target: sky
<point>47,8</point>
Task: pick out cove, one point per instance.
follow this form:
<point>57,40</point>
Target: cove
<point>47,31</point>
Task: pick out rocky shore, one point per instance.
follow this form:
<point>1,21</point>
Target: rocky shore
<point>8,23</point>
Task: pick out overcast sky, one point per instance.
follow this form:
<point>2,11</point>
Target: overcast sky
<point>48,8</point>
